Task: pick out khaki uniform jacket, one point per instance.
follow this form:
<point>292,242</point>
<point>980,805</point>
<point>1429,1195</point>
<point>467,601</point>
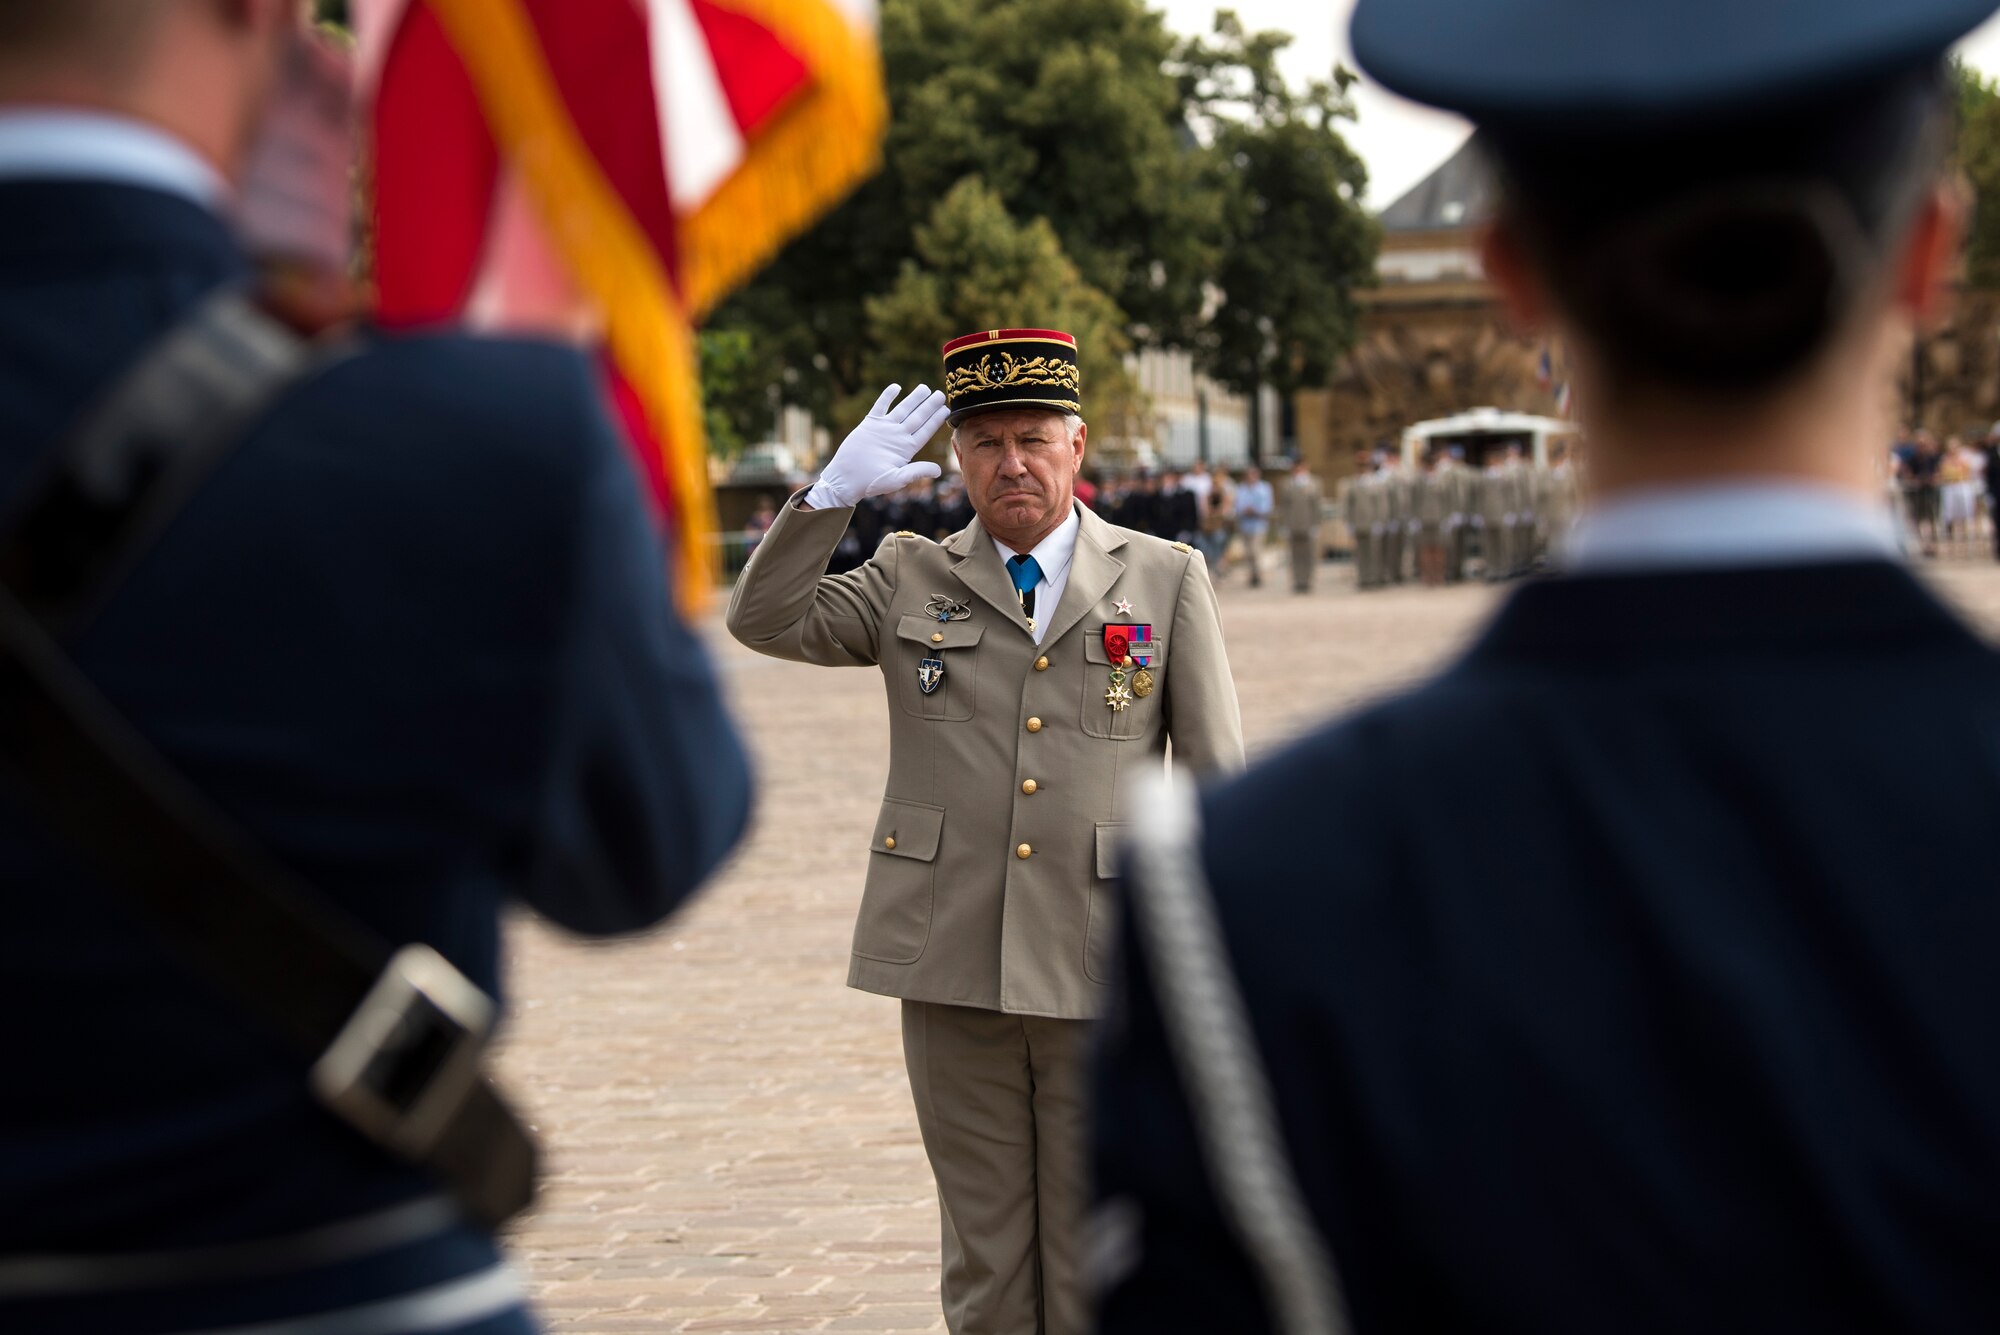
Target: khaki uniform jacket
<point>1299,505</point>
<point>1500,494</point>
<point>1398,495</point>
<point>1367,503</point>
<point>951,912</point>
<point>1431,499</point>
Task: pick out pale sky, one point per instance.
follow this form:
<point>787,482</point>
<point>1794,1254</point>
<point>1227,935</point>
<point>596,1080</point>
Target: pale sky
<point>1400,141</point>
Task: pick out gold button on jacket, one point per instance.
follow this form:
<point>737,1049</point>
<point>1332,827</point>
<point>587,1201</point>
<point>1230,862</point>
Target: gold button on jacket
<point>946,915</point>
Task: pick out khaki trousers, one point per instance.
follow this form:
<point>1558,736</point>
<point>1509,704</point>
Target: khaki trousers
<point>1000,1102</point>
<point>1305,559</point>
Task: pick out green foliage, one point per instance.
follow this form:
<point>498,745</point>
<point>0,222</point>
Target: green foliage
<point>1181,182</point>
<point>741,384</point>
<point>1064,110</point>
<point>1978,156</point>
<point>1297,238</point>
<point>979,268</point>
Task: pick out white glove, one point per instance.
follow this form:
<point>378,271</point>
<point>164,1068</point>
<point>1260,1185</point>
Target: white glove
<point>874,460</point>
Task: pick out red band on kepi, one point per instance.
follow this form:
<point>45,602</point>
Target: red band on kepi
<point>1012,368</point>
<point>1007,335</point>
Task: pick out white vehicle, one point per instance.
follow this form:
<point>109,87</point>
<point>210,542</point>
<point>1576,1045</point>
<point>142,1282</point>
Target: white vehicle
<point>767,458</point>
<point>1486,430</point>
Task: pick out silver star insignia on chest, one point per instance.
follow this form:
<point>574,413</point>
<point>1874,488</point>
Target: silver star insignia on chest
<point>1124,606</point>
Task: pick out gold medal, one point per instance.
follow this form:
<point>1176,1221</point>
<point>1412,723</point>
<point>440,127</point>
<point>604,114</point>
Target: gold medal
<point>1142,683</point>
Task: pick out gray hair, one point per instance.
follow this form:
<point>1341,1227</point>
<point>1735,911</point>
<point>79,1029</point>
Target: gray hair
<point>1071,423</point>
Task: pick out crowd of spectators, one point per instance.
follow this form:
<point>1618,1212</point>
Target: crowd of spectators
<point>1210,509</point>
<point>1946,493</point>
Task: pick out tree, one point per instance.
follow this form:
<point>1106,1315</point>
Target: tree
<point>739,390</point>
<point>977,267</point>
<point>1296,240</point>
<point>1978,154</point>
<point>1064,109</point>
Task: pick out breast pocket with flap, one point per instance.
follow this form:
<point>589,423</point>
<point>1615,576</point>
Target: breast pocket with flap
<point>1138,717</point>
<point>934,664</point>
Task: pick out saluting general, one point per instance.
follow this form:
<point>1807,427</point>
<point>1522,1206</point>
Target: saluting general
<point>1031,688</point>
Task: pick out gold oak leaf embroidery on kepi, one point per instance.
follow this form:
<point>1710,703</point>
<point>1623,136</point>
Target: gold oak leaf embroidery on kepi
<point>1011,371</point>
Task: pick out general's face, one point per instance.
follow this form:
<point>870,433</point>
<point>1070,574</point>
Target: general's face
<point>1020,470</point>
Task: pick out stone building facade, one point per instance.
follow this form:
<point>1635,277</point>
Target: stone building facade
<point>1435,341</point>
<point>1951,382</point>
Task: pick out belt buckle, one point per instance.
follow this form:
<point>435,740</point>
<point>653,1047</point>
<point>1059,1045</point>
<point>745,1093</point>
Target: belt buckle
<point>402,1065</point>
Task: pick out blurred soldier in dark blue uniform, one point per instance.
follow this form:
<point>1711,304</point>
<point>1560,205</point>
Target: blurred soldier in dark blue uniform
<point>414,635</point>
<point>1688,1025</point>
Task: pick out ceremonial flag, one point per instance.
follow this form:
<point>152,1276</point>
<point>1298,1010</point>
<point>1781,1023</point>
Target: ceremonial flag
<point>1562,400</point>
<point>1545,370</point>
<point>609,170</point>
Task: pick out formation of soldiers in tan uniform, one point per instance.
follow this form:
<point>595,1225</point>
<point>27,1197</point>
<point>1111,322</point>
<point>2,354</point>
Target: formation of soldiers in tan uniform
<point>1445,521</point>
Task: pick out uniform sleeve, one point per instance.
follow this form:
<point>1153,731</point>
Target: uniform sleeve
<point>1203,720</point>
<point>1172,1262</point>
<point>787,606</point>
<point>651,787</point>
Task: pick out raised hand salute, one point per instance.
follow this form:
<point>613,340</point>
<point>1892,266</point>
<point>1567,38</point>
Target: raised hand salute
<point>874,460</point>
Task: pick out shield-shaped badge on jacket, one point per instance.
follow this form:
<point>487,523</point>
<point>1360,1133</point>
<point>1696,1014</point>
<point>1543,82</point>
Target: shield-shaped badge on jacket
<point>929,673</point>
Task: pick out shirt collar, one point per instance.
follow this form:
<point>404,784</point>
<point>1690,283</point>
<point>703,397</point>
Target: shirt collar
<point>1052,553</point>
<point>60,144</point>
<point>1729,524</point>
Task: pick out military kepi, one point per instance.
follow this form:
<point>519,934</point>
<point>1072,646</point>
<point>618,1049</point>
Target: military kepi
<point>1011,368</point>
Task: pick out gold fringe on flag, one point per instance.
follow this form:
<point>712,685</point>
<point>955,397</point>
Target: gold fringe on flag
<point>804,161</point>
<point>609,255</point>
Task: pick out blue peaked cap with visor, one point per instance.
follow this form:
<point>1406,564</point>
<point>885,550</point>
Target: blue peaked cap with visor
<point>1550,63</point>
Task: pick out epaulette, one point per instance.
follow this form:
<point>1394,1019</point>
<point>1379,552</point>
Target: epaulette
<point>1182,547</point>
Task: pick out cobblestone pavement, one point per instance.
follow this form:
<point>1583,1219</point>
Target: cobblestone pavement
<point>731,1140</point>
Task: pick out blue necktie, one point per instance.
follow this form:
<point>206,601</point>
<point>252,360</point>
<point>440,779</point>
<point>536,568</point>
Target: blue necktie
<point>1027,573</point>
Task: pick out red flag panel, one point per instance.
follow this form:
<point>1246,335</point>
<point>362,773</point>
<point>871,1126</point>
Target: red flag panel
<point>758,72</point>
<point>435,168</point>
<point>598,54</point>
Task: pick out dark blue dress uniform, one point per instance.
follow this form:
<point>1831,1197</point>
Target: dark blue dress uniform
<point>1689,1024</point>
<point>1688,1027</point>
<point>415,636</point>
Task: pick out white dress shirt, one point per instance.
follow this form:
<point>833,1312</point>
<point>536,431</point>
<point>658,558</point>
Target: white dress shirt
<point>1053,554</point>
<point>59,144</point>
<point>1730,524</point>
